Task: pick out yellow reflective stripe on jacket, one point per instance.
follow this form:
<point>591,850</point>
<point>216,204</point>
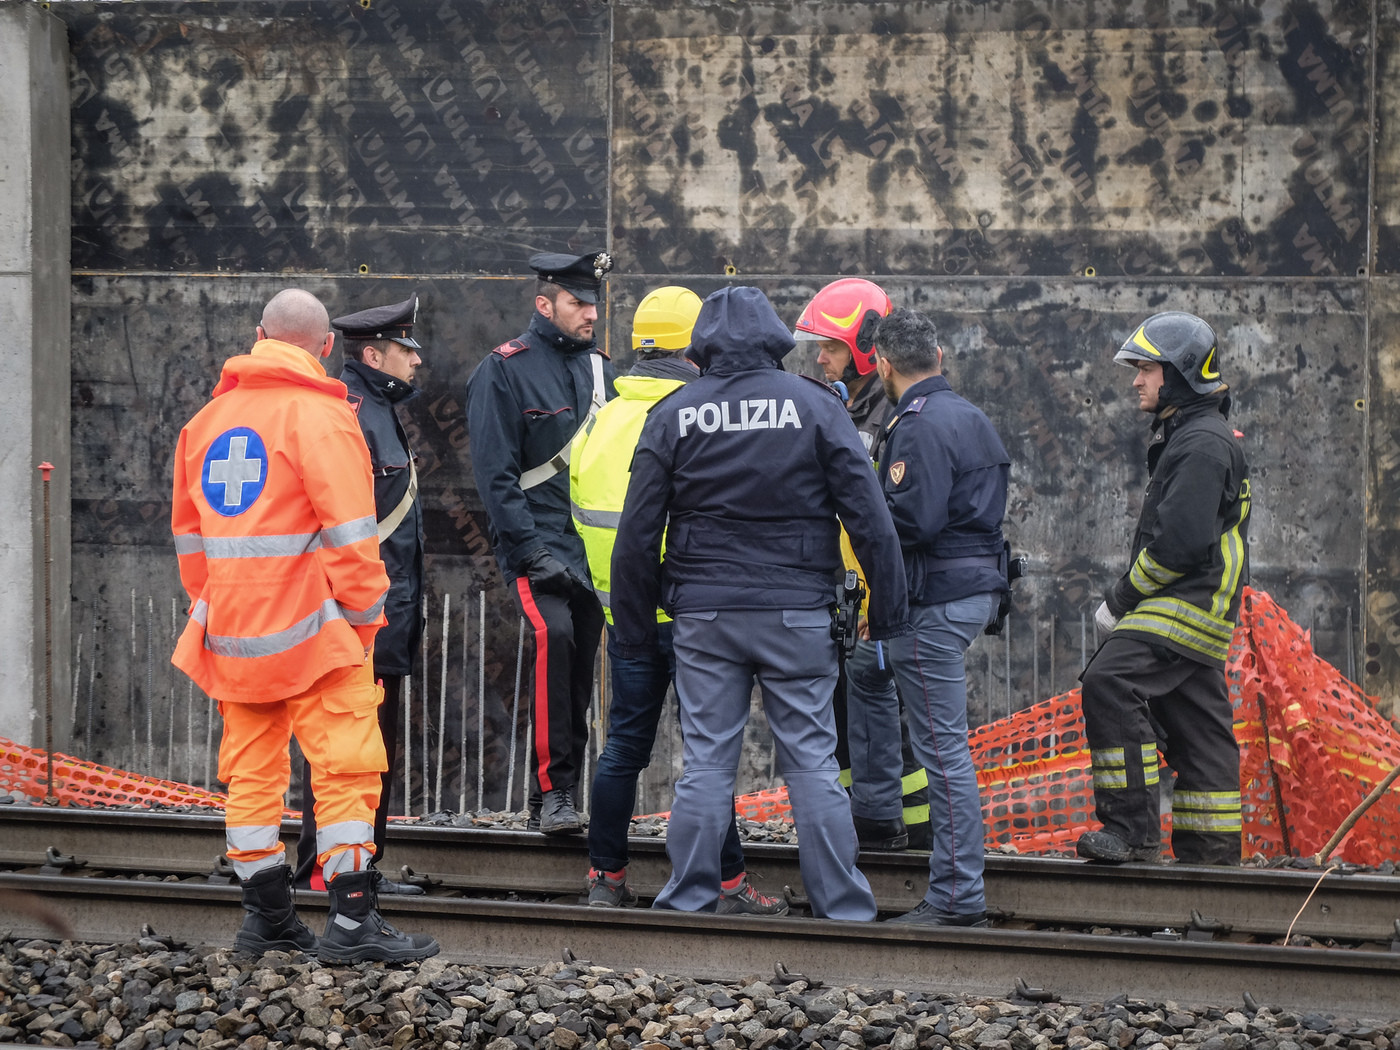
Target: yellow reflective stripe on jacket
<point>1149,576</point>
<point>1183,623</point>
<point>1232,553</point>
<point>1151,774</point>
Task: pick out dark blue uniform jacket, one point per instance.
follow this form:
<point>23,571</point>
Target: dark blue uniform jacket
<point>524,404</point>
<point>945,474</point>
<point>373,395</point>
<point>753,466</point>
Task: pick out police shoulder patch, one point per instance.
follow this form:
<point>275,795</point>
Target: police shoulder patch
<point>824,385</point>
<point>354,400</point>
<point>603,353</point>
<point>897,472</point>
<point>916,406</point>
<point>510,347</point>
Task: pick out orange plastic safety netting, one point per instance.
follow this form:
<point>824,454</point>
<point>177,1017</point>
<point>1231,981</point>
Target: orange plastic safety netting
<point>1312,746</point>
<point>24,771</point>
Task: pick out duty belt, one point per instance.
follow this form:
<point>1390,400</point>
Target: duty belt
<point>972,561</point>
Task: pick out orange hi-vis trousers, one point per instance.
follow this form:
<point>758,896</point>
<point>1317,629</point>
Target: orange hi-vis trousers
<point>336,724</point>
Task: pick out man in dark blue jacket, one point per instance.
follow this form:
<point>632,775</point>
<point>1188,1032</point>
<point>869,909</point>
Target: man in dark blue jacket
<point>945,475</point>
<point>381,357</point>
<point>525,404</point>
<point>753,465</point>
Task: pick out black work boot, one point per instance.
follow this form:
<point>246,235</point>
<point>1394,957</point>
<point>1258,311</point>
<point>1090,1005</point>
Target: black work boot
<point>272,924</point>
<point>1108,848</point>
<point>558,815</point>
<point>355,931</point>
<point>875,834</point>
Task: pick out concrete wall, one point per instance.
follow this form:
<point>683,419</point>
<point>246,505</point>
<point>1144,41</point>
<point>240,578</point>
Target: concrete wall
<point>1038,177</point>
<point>34,358</point>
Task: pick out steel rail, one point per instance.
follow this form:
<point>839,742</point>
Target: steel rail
<point>1243,902</point>
<point>994,962</point>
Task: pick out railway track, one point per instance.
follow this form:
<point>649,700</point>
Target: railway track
<point>1063,929</point>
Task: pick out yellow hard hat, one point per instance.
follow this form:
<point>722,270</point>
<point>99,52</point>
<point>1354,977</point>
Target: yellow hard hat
<point>664,319</point>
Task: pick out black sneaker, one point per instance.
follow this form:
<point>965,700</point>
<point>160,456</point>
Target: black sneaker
<point>1108,848</point>
<point>604,891</point>
<point>925,914</point>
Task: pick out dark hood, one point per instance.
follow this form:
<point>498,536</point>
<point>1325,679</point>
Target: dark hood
<point>737,330</point>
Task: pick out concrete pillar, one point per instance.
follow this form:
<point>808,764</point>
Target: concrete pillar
<point>35,289</point>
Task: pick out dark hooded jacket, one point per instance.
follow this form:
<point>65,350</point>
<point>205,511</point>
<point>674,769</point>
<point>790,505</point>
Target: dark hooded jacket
<point>753,466</point>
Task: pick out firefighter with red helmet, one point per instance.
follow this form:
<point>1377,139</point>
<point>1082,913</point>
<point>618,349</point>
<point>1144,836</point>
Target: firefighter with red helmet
<point>1158,680</point>
<point>889,788</point>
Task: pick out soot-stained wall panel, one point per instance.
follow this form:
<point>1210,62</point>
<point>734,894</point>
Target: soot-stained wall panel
<point>401,137</point>
<point>1382,633</point>
<point>1387,141</point>
<point>996,139</point>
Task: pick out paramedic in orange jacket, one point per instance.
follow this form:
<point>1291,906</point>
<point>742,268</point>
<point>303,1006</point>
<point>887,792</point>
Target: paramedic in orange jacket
<point>275,531</point>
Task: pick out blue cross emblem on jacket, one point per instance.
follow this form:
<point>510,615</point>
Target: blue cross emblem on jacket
<point>235,471</point>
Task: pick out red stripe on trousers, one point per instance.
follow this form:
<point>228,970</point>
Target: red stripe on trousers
<point>541,629</point>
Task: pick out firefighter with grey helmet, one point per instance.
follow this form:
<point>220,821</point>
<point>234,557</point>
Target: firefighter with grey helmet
<point>1157,681</point>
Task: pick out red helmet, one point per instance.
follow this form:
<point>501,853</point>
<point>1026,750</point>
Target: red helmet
<point>848,310</point>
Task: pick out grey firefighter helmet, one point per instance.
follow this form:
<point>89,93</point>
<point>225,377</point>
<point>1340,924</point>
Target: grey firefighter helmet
<point>1181,340</point>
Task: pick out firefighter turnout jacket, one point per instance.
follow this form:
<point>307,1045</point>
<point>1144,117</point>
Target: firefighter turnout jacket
<point>1190,551</point>
<point>274,527</point>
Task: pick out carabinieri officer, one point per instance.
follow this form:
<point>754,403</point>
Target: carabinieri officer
<point>525,403</point>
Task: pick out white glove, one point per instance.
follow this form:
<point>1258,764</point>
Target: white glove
<point>1104,620</point>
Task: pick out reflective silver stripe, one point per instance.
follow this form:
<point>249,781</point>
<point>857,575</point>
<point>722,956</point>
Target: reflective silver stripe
<point>189,543</point>
<point>355,841</point>
<point>350,532</point>
<point>252,836</point>
<point>282,641</point>
<point>598,519</point>
<point>200,613</point>
<point>359,619</point>
<point>293,545</point>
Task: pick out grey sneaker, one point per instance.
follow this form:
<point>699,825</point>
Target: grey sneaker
<point>604,891</point>
<point>743,899</point>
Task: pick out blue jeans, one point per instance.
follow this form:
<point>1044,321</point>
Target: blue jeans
<point>929,667</point>
<point>639,687</point>
<point>793,656</point>
<point>873,735</point>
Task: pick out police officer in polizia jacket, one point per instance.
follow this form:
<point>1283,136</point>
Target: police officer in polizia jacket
<point>753,466</point>
<point>889,796</point>
<point>1158,680</point>
<point>599,471</point>
<point>381,357</point>
<point>945,475</point>
<point>526,402</point>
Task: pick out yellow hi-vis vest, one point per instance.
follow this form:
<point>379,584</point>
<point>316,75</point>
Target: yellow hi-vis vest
<point>600,468</point>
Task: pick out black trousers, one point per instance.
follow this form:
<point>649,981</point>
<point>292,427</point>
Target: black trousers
<point>567,629</point>
<point>390,719</point>
<point>1139,698</point>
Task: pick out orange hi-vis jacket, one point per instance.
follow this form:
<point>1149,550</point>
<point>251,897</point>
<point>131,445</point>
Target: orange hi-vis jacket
<point>275,530</point>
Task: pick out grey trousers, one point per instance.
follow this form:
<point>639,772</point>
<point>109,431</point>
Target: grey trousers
<point>792,655</point>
